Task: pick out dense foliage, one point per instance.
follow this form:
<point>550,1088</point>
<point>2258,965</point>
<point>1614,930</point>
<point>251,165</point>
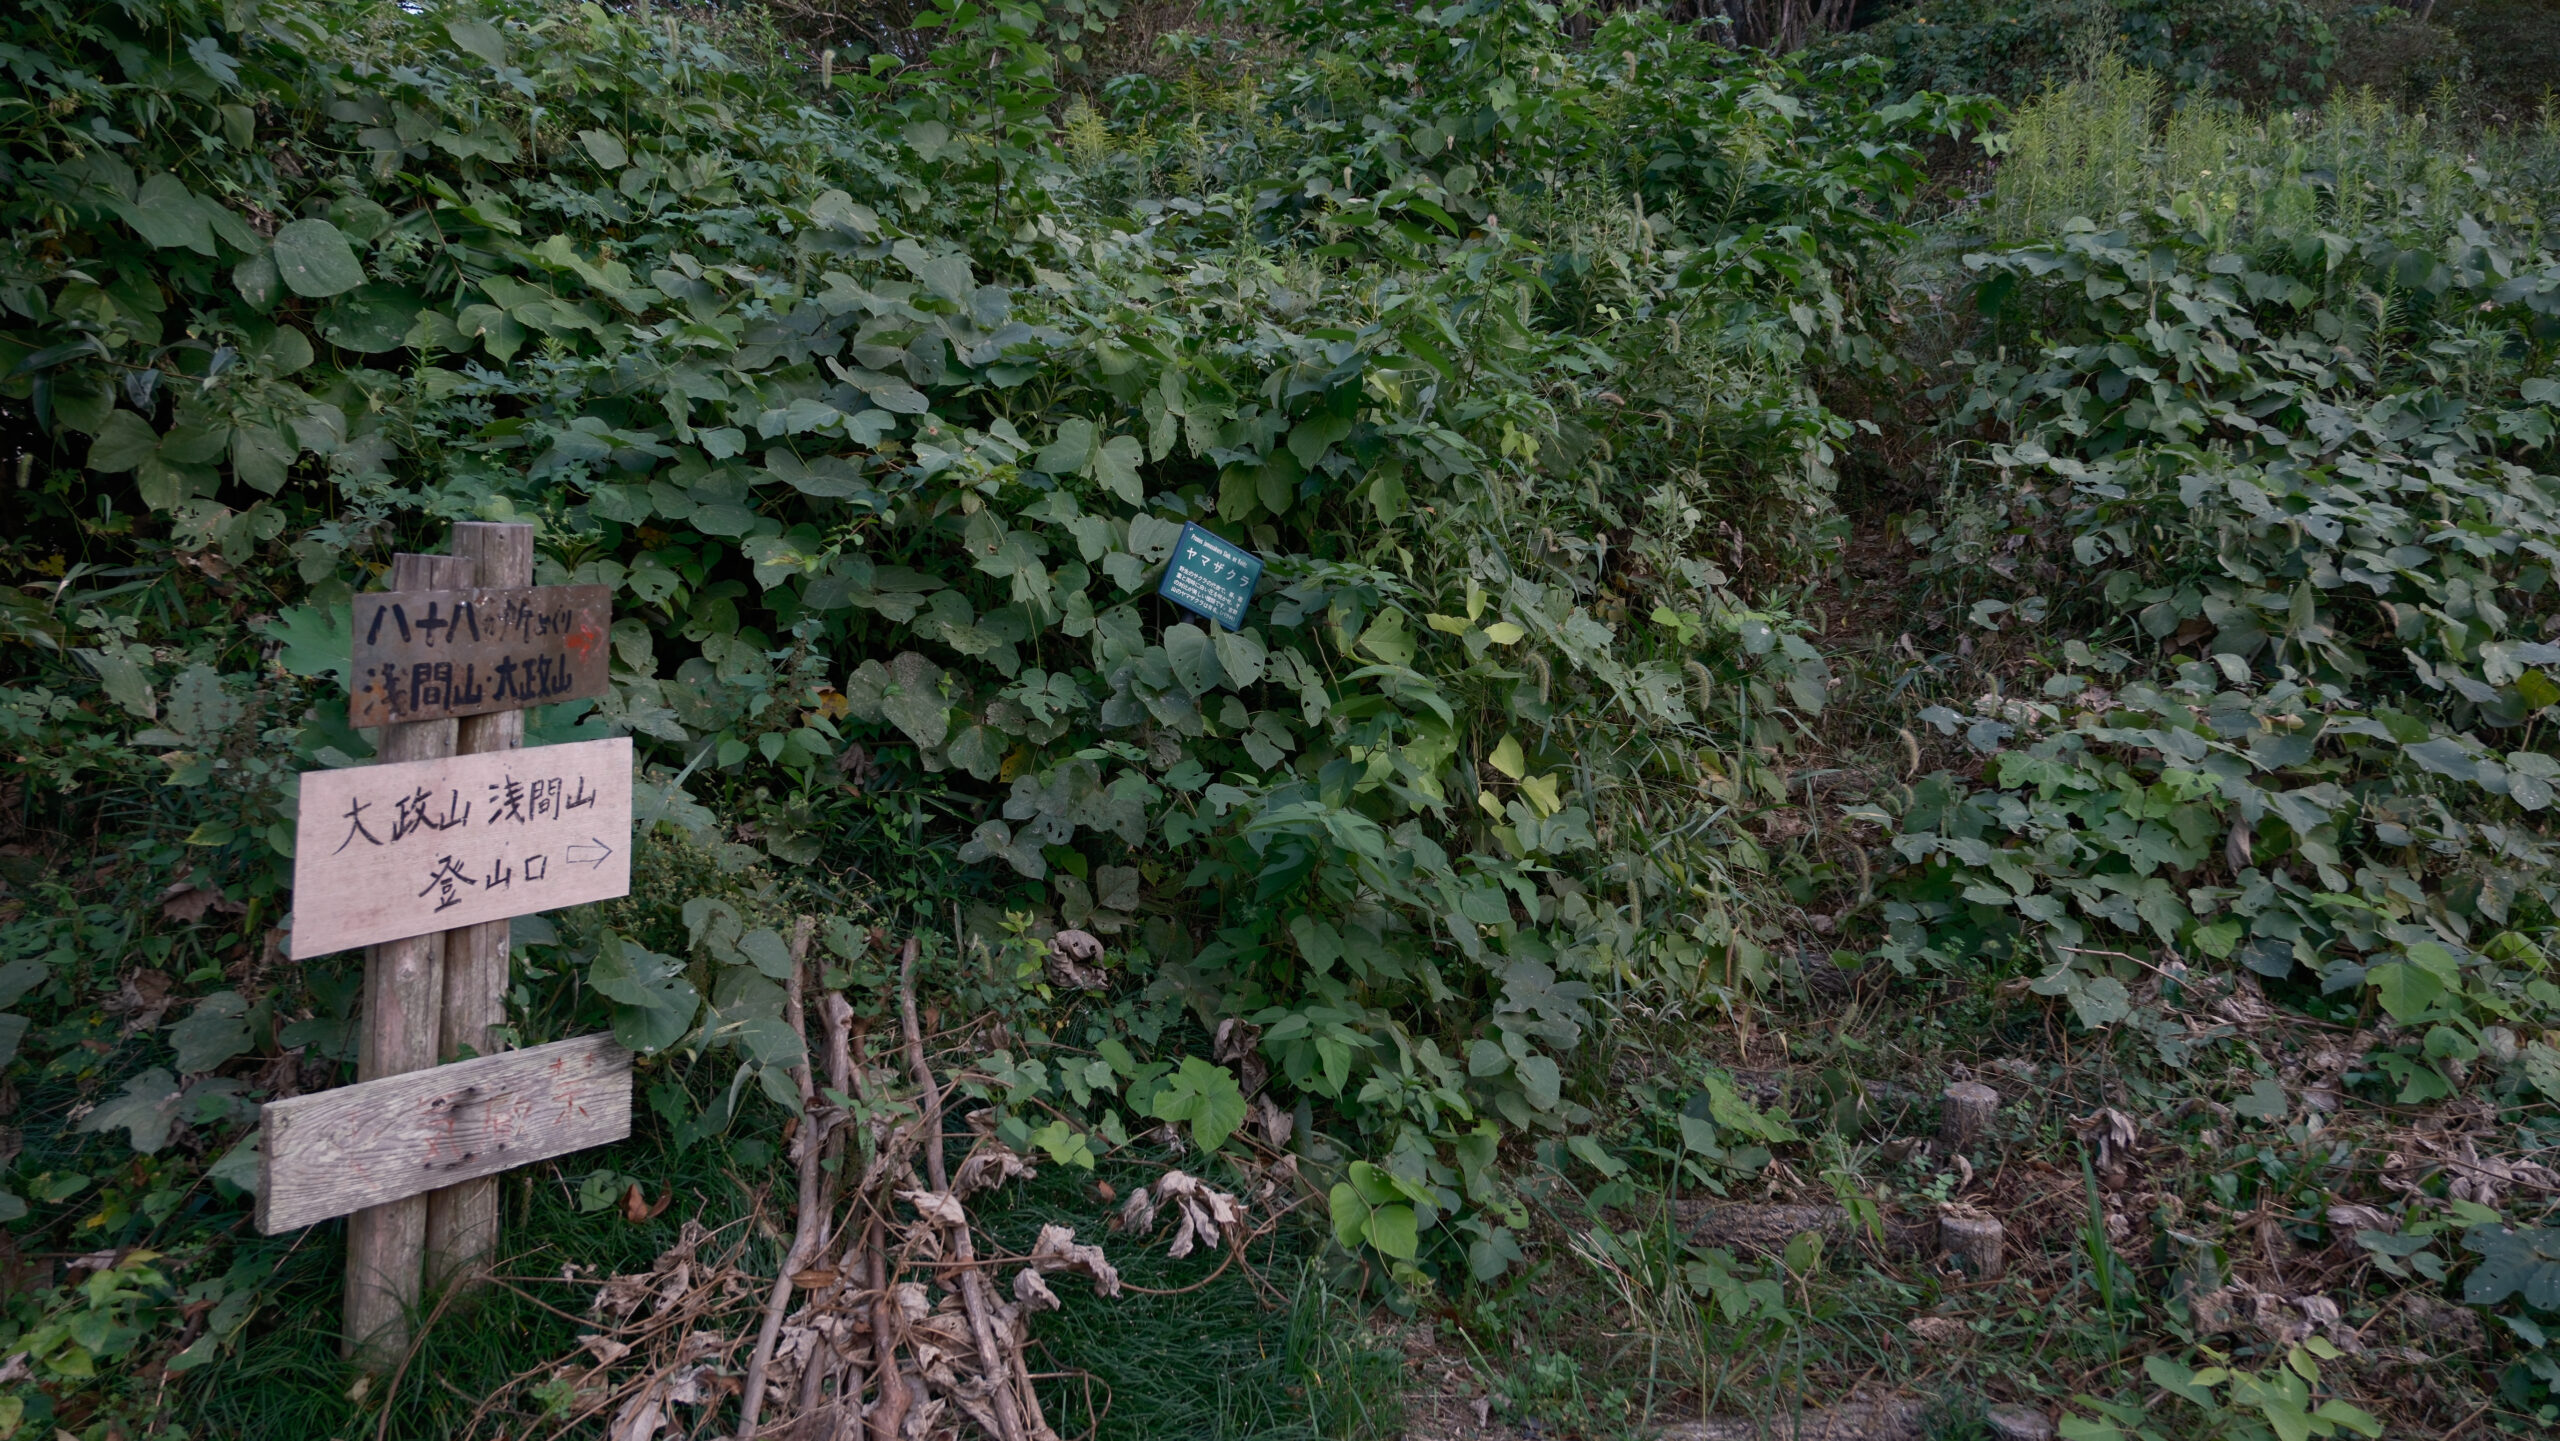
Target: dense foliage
<point>1524,345</point>
<point>878,405</point>
<point>2268,490</point>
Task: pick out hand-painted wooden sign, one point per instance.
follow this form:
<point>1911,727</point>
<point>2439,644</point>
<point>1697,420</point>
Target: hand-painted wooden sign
<point>334,1152</point>
<point>426,654</point>
<point>391,851</point>
<point>1210,578</point>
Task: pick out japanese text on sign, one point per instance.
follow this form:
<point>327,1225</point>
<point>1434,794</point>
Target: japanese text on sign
<point>1211,578</point>
<point>384,852</point>
<point>424,655</point>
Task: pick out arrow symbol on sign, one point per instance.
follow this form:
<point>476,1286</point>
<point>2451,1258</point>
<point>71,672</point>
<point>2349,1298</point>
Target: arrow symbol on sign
<point>593,855</point>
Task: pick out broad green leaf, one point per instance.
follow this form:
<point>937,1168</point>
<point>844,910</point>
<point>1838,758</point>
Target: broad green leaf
<point>478,38</point>
<point>765,950</point>
<point>214,1032</point>
<point>1387,639</point>
<point>314,641</point>
<point>1508,759</point>
<point>144,1109</point>
<point>1350,1215</point>
<point>19,977</point>
<point>371,318</point>
<point>1205,1095</point>
<point>123,681</point>
<point>2266,1101</point>
<point>604,148</point>
<point>1541,1082</point>
<point>125,441</point>
<point>1194,660</point>
<point>1070,451</point>
<point>2407,991</point>
<point>1115,466</point>
<point>1542,793</point>
<point>1391,1229</point>
<point>314,260</point>
<point>2100,1001</point>
<point>167,214</point>
<point>1240,657</point>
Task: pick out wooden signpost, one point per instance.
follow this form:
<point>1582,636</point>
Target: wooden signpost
<point>404,850</point>
<point>339,1151</point>
<point>423,859</point>
<point>427,655</point>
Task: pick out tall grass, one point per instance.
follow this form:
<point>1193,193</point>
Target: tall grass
<point>2111,143</point>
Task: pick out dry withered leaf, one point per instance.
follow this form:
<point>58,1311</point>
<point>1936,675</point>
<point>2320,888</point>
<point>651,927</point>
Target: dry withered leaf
<point>2110,1132</point>
<point>939,1207</point>
<point>636,1208</point>
<point>1058,1250</point>
<point>990,1164</point>
<point>1072,954</point>
<point>2351,1217</point>
<point>1032,1292</point>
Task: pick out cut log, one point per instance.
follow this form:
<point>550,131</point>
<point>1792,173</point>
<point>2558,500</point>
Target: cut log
<point>1978,1243</point>
<point>2011,1422</point>
<point>1762,1230</point>
<point>1966,1111</point>
<point>1891,1419</point>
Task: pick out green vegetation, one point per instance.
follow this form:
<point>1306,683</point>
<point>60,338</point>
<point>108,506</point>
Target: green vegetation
<point>1784,588</point>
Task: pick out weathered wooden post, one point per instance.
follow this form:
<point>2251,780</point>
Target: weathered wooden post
<point>403,994</point>
<point>425,858</point>
<point>462,1220</point>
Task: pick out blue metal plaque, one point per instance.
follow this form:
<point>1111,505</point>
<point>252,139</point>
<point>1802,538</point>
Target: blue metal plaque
<point>1210,578</point>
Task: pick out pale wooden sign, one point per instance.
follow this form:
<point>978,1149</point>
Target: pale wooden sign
<point>427,654</point>
<point>391,851</point>
<point>335,1152</point>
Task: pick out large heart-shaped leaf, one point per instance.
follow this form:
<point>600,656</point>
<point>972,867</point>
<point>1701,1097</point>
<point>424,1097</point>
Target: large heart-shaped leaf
<point>314,260</point>
<point>913,700</point>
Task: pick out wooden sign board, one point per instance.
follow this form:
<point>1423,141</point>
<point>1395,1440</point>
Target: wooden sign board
<point>336,1152</point>
<point>1210,578</point>
<point>427,654</point>
<point>382,853</point>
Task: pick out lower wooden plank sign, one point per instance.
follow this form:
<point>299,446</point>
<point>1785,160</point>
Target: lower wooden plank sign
<point>385,852</point>
<point>338,1151</point>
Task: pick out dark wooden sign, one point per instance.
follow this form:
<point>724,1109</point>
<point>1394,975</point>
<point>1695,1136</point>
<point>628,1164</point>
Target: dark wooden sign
<point>427,654</point>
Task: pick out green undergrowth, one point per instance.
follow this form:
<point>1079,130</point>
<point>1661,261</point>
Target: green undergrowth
<point>1227,1357</point>
<point>1606,813</point>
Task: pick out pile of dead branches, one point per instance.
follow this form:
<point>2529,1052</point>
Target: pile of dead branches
<point>887,1319</point>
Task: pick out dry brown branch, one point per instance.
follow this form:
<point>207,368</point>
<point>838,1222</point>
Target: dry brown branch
<point>812,1205</point>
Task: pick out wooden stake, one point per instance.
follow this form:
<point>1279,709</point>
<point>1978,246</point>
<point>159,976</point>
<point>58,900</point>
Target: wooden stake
<point>1965,1112</point>
<point>462,1220</point>
<point>403,996</point>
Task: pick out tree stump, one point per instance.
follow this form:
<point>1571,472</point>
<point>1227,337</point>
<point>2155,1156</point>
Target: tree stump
<point>1965,1113</point>
<point>1976,1242</point>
